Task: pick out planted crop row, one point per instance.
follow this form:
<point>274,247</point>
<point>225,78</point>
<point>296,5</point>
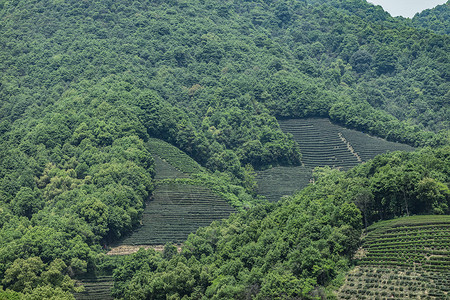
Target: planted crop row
<point>421,239</point>
<point>174,156</point>
<point>164,170</point>
<point>411,251</point>
<point>431,241</point>
<point>368,146</point>
<point>408,223</point>
<point>395,282</point>
<point>404,259</point>
<point>411,241</point>
<point>414,228</point>
<point>96,288</point>
<point>408,233</point>
<point>175,211</point>
<point>280,181</point>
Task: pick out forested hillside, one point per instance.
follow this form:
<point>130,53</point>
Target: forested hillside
<point>86,86</point>
<point>297,248</point>
<point>436,19</point>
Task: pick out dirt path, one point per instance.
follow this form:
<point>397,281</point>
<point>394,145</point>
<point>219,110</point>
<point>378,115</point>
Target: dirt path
<point>126,249</point>
<point>349,147</point>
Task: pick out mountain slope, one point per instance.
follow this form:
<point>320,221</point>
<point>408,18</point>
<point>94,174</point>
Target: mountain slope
<point>405,258</point>
<point>301,246</point>
<point>436,19</point>
<point>325,144</point>
<point>85,84</point>
<point>169,53</point>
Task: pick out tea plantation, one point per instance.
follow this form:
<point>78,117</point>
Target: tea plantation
<point>325,144</point>
<point>96,288</point>
<point>368,146</point>
<point>174,156</point>
<point>280,181</point>
<point>406,258</point>
<point>164,170</point>
<point>175,211</point>
<point>320,143</point>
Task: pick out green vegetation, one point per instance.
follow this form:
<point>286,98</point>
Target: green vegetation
<point>372,282</point>
<point>68,206</point>
<point>300,246</point>
<point>179,207</point>
<point>277,182</point>
<point>266,252</point>
<point>367,147</point>
<point>86,87</point>
<point>424,241</point>
<point>436,19</point>
<point>401,183</point>
<point>164,170</point>
<point>174,156</point>
<point>176,210</point>
<point>320,143</point>
<point>325,144</point>
<point>406,258</point>
<point>96,288</point>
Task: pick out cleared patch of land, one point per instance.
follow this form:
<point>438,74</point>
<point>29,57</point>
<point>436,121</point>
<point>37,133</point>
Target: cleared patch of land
<point>127,249</point>
<point>277,182</point>
<point>176,210</point>
<point>405,258</point>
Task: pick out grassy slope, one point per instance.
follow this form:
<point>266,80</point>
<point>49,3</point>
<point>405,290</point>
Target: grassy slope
<point>405,258</point>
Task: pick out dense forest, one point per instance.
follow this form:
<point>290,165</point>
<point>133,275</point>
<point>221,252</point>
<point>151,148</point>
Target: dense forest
<point>84,85</point>
<point>436,19</point>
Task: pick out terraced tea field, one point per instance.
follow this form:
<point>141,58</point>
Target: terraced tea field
<point>164,170</point>
<point>325,144</point>
<point>406,258</point>
<point>174,156</point>
<point>175,211</point>
<point>368,146</point>
<point>320,143</point>
<point>280,181</point>
<point>96,288</point>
